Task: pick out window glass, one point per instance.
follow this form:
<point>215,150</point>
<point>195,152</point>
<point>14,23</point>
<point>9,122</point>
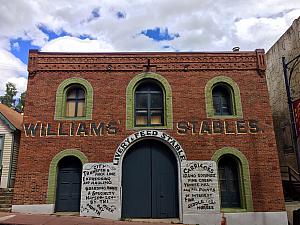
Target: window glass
<point>80,108</point>
<point>156,117</point>
<point>72,94</point>
<point>81,94</point>
<point>229,182</point>
<point>141,118</point>
<point>156,100</point>
<point>141,101</point>
<point>222,100</point>
<point>75,102</point>
<point>149,104</point>
<point>70,110</point>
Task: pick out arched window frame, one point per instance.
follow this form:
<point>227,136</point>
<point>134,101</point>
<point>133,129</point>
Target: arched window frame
<point>130,101</point>
<point>244,176</point>
<point>235,96</point>
<point>61,96</point>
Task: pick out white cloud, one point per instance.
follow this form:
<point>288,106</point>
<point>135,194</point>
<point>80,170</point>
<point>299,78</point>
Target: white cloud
<point>74,44</point>
<point>12,70</point>
<point>204,25</point>
<point>263,31</point>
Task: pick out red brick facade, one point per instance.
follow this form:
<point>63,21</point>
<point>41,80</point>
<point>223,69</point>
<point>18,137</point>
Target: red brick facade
<point>187,74</point>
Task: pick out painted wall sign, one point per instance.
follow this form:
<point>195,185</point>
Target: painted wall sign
<point>71,129</point>
<point>205,127</point>
<point>100,192</point>
<point>200,194</point>
<point>144,134</point>
<point>83,129</point>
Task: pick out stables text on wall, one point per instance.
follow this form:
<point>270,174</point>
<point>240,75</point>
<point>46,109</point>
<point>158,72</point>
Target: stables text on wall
<point>81,129</point>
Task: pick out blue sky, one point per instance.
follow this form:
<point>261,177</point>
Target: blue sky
<point>141,25</point>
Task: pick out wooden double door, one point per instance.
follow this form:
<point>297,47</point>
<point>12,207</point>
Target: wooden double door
<point>149,181</point>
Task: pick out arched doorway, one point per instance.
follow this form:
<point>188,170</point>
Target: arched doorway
<point>150,181</point>
<point>68,185</point>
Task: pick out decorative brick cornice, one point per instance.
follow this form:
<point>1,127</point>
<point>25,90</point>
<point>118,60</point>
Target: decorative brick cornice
<point>145,62</point>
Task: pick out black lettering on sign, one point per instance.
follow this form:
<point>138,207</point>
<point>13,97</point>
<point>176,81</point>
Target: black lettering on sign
<point>154,133</point>
<point>30,129</point>
<point>199,182</point>
<point>100,191</point>
<point>182,127</point>
<point>142,133</point>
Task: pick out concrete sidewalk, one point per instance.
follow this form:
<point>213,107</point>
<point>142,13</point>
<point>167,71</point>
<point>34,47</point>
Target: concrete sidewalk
<point>37,219</point>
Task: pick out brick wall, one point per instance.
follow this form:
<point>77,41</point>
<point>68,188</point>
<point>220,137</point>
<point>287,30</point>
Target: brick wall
<point>187,74</point>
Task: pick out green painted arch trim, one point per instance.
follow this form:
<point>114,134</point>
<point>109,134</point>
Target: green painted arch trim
<point>52,179</point>
<point>168,111</point>
<point>245,182</point>
<point>235,97</point>
<point>61,97</point>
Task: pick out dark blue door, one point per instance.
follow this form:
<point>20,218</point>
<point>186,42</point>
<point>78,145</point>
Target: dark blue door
<point>149,182</point>
<point>68,185</point>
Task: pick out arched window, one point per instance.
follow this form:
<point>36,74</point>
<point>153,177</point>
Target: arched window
<point>149,104</point>
<point>229,179</point>
<point>222,102</point>
<point>223,98</point>
<point>75,102</point>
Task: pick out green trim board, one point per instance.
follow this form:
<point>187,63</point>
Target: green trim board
<point>235,97</point>
<point>7,122</point>
<point>52,179</point>
<point>245,182</point>
<point>61,97</point>
<point>167,91</point>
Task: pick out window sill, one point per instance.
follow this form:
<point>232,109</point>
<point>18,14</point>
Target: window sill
<point>150,128</point>
<point>225,117</point>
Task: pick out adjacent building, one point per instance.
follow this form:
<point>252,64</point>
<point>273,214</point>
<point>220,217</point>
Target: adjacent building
<point>10,133</point>
<point>150,135</point>
<point>288,46</point>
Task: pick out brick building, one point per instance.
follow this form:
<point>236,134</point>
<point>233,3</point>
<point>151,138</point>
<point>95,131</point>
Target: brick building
<point>151,131</point>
